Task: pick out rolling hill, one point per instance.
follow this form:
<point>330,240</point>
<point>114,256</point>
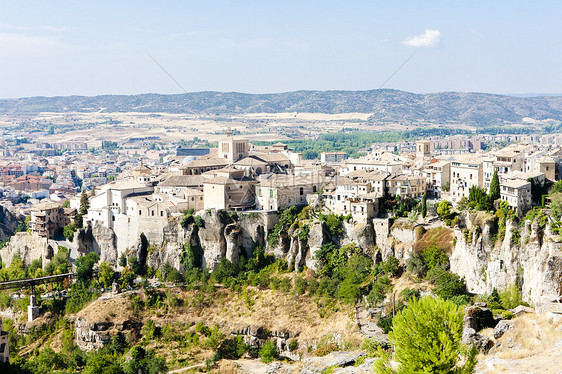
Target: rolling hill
<point>387,105</point>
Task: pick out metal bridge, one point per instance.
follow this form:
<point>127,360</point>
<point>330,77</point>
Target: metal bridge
<point>30,282</point>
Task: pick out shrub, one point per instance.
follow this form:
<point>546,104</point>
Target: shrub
<point>434,256</point>
<point>69,231</point>
<point>391,266</point>
<point>379,290</point>
<point>416,265</point>
<point>409,293</point>
<point>149,330</point>
<point>510,297</point>
<point>447,284</point>
<point>506,314</point>
<point>300,285</point>
<point>202,329</point>
<point>190,257</point>
<point>427,338</point>
<point>293,345</point>
<point>199,222</point>
<point>268,352</point>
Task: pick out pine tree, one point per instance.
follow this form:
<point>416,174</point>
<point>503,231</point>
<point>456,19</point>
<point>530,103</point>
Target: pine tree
<point>84,202</point>
<point>427,338</point>
<point>495,187</point>
<point>424,205</point>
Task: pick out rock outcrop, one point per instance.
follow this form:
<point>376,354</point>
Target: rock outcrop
<point>29,246</point>
<point>8,223</point>
<point>534,262</point>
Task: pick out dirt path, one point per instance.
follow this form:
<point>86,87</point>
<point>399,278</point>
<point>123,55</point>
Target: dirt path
<point>181,370</point>
<point>366,326</point>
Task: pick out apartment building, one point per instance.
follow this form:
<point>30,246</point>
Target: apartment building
<point>278,191</point>
<point>466,172</point>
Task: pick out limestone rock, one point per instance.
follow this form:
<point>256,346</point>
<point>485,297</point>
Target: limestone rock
<point>501,328</point>
<point>482,343</point>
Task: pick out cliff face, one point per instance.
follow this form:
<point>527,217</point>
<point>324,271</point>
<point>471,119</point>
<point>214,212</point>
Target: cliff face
<point>29,247</point>
<point>534,264</point>
<point>8,223</point>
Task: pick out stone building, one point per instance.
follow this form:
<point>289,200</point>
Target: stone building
<point>278,191</point>
<point>48,219</point>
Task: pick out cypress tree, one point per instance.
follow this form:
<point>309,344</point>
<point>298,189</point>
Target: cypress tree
<point>424,205</point>
<point>495,187</point>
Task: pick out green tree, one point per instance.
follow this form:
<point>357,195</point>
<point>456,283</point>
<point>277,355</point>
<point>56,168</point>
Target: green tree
<point>190,258</point>
<point>85,267</point>
<point>268,352</point>
<point>106,274</point>
<point>495,187</point>
<point>69,231</point>
<point>84,202</point>
<point>427,338</point>
<point>444,209</point>
<point>424,205</point>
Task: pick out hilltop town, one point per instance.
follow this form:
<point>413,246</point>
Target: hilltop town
<point>239,212</point>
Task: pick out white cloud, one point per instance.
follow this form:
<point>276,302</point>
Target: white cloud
<point>28,43</point>
<point>13,27</point>
<point>430,38</point>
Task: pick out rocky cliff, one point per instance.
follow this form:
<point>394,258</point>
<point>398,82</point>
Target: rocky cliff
<point>29,247</point>
<point>530,257</point>
<point>8,223</point>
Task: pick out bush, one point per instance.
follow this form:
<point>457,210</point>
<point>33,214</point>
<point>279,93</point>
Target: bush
<point>379,290</point>
<point>416,265</point>
<point>199,222</point>
<point>511,298</point>
<point>391,266</point>
<point>427,338</point>
<point>149,330</point>
<point>506,314</point>
<point>69,231</point>
<point>447,284</point>
<point>300,285</point>
<point>434,256</point>
<point>293,345</point>
<point>268,352</point>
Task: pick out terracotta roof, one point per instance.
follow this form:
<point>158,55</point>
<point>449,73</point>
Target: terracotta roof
<point>182,181</point>
<point>215,161</point>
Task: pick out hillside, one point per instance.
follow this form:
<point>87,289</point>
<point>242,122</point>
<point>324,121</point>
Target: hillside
<point>387,105</point>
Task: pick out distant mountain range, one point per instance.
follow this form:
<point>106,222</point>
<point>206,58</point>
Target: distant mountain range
<point>387,105</point>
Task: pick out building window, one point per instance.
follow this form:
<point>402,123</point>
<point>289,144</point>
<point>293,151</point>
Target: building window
<point>113,218</point>
<point>270,193</point>
<point>313,188</point>
<point>161,213</point>
<point>153,213</point>
<point>140,212</point>
<point>301,191</point>
<point>259,191</point>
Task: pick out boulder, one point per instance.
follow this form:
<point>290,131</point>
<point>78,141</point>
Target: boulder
<point>482,343</point>
<point>501,328</point>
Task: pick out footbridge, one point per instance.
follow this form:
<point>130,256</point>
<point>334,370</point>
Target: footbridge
<point>30,282</point>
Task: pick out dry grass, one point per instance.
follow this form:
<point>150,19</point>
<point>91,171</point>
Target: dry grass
<point>532,346</point>
<point>441,236</point>
<point>303,317</point>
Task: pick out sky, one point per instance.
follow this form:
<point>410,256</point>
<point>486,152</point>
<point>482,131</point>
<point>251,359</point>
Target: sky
<point>54,48</point>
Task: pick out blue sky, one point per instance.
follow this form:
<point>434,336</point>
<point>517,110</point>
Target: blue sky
<point>51,48</point>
